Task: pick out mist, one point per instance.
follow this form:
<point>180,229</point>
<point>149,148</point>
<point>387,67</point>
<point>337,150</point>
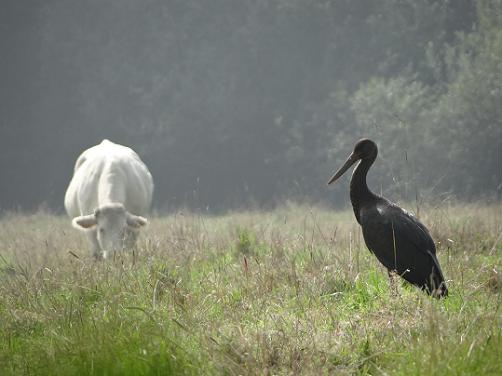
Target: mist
<point>237,104</point>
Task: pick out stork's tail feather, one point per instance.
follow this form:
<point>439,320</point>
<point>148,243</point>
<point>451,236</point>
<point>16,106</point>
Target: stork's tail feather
<point>436,285</point>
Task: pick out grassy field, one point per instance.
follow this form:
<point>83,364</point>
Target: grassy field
<point>293,291</point>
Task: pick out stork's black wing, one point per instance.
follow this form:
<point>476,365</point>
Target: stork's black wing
<point>402,244</point>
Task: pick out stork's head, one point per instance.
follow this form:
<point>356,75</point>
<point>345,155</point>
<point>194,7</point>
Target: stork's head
<point>363,149</point>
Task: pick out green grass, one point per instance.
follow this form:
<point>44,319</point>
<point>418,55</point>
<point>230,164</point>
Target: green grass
<point>293,291</point>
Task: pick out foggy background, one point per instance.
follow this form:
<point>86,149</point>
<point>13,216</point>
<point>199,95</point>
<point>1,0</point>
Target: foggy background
<point>233,104</point>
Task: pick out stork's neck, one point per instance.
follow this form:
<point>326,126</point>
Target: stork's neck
<point>360,194</point>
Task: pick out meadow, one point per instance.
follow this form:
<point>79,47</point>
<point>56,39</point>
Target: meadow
<point>286,292</point>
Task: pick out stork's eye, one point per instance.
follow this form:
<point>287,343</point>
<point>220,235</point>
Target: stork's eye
<point>101,230</point>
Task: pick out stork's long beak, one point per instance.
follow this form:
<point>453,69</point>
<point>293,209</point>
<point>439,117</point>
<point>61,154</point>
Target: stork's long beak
<point>349,162</point>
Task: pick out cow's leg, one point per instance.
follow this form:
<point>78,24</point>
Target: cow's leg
<point>96,250</point>
<point>130,238</point>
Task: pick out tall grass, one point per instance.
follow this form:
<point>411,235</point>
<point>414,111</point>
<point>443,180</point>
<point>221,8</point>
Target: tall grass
<point>293,291</point>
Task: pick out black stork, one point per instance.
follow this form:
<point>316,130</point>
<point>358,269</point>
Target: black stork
<point>398,239</point>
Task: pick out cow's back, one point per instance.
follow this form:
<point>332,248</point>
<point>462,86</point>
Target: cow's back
<point>109,172</point>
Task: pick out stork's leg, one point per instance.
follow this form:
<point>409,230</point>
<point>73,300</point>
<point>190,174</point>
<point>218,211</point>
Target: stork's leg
<point>392,283</point>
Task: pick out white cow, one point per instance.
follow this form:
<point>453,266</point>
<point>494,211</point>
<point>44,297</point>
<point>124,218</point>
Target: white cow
<point>110,190</point>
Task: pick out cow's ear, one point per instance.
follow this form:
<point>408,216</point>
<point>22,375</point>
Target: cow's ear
<point>136,221</point>
<point>84,222</point>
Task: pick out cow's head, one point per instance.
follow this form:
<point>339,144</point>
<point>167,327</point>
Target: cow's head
<point>115,227</point>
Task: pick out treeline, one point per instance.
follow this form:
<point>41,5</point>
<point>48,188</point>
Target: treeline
<point>253,102</point>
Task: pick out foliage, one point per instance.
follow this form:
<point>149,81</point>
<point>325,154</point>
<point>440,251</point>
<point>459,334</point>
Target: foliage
<point>469,111</point>
<point>241,104</point>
